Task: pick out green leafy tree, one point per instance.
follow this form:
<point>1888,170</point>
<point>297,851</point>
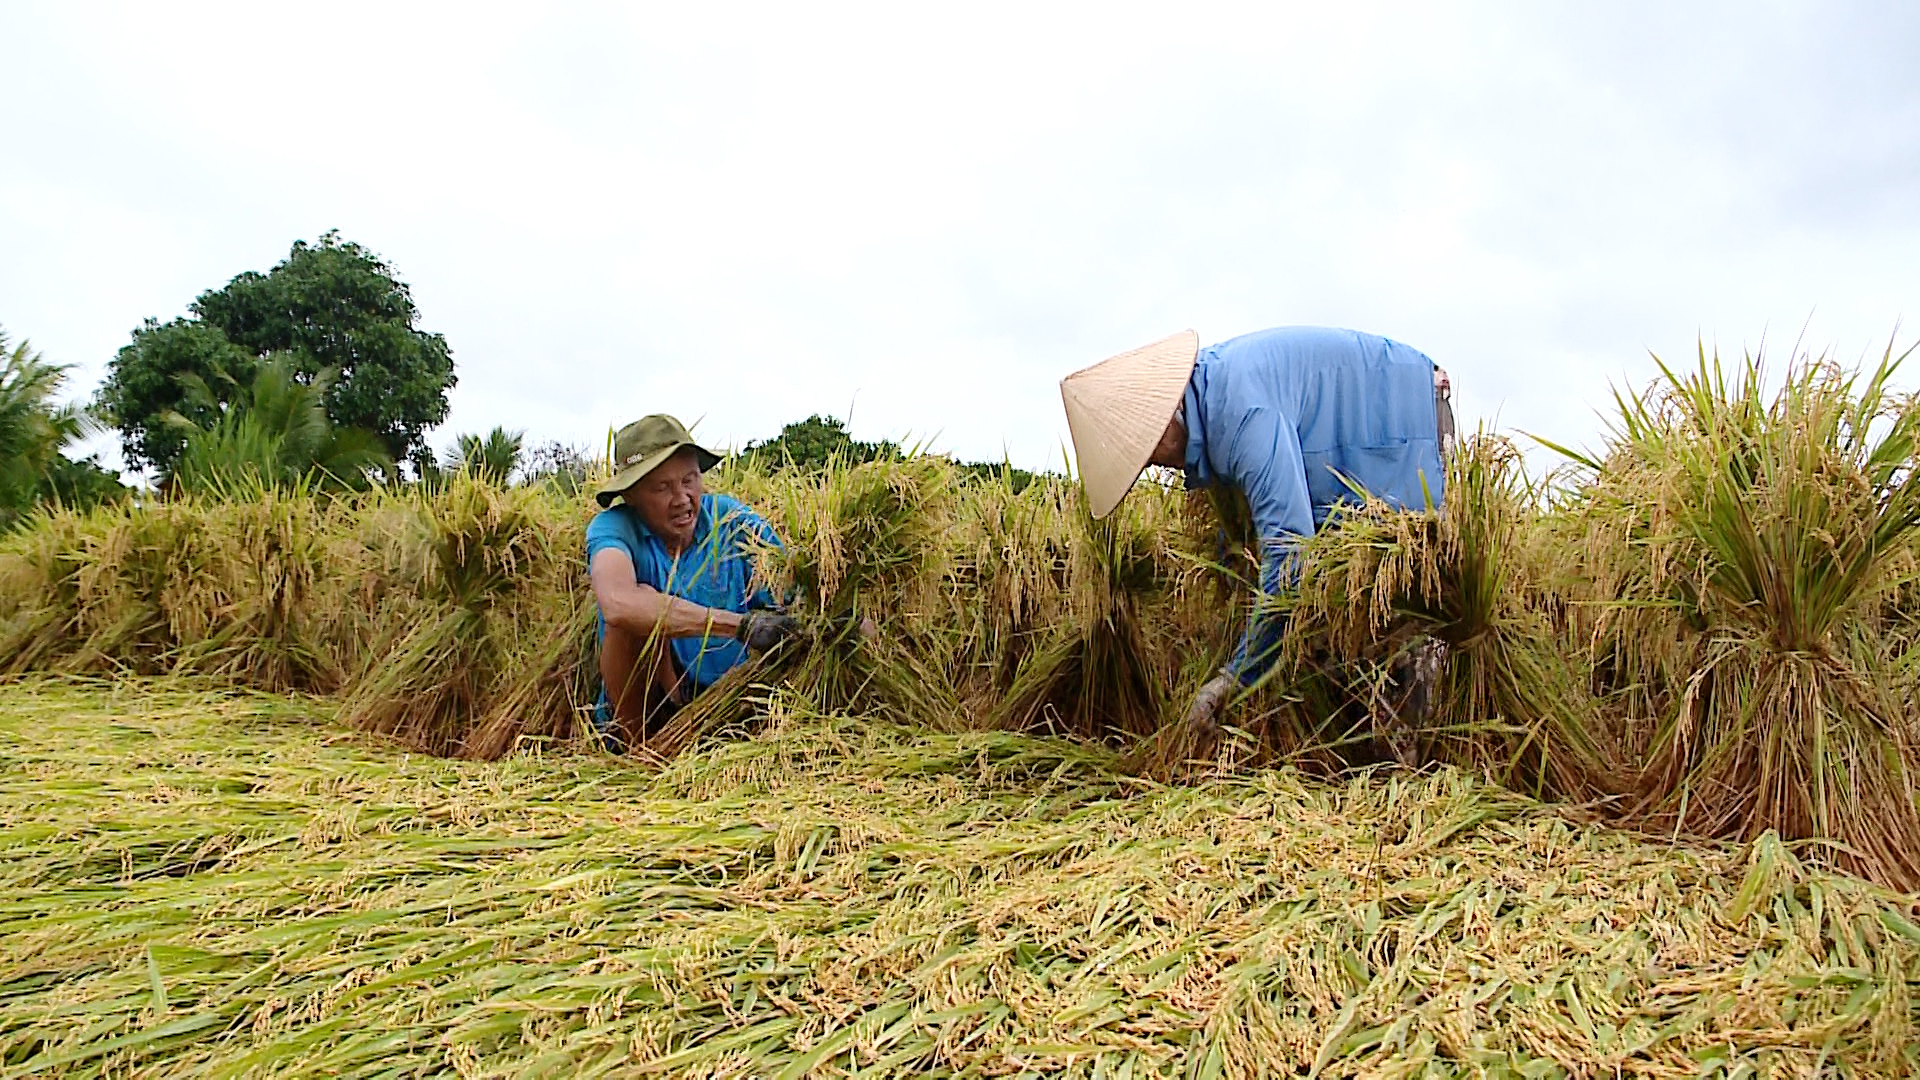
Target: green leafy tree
<point>494,457</point>
<point>818,441</point>
<point>152,379</point>
<point>32,427</point>
<point>273,432</point>
<point>332,306</point>
<point>34,430</point>
<point>337,305</point>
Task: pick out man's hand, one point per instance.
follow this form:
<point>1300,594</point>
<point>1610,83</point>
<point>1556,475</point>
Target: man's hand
<point>762,630</point>
<point>1203,714</point>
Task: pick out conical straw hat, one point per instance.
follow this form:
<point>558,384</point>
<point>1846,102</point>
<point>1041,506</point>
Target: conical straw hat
<point>1118,409</point>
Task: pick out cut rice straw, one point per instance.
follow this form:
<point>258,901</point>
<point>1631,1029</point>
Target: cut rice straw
<point>220,884</point>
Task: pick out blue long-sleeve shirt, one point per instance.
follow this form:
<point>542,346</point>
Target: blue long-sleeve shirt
<point>1283,415</point>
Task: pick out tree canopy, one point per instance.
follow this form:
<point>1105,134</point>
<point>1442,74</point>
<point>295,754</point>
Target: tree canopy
<point>151,379</point>
<point>332,305</point>
<point>819,442</point>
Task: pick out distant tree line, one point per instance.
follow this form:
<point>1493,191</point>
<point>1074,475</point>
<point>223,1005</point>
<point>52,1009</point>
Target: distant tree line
<point>819,442</point>
<point>312,374</point>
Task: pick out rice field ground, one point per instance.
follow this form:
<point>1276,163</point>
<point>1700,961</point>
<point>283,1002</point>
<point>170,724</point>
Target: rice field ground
<point>211,882</point>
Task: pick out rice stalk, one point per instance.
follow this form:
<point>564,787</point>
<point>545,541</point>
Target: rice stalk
<point>433,678</point>
<point>1766,536</point>
<point>224,884</point>
<point>1092,679</point>
<point>1374,581</point>
<point>1007,584</point>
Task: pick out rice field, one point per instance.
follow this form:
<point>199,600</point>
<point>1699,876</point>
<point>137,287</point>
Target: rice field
<point>218,882</point>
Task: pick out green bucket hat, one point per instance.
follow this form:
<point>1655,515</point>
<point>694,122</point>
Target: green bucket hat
<point>644,446</point>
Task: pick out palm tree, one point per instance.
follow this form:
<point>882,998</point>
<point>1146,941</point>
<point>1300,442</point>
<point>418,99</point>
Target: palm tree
<point>493,458</point>
<point>33,429</point>
<point>274,432</point>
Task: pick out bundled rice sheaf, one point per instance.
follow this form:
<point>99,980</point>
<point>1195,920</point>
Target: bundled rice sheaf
<point>1758,545</point>
<point>547,680</point>
<point>488,654</point>
<point>237,589</point>
<point>39,589</point>
<point>105,577</point>
<point>1007,583</point>
<point>258,611</point>
<point>1091,676</point>
<point>1378,583</point>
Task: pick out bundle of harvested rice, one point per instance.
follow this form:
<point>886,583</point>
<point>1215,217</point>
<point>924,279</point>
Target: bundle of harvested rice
<point>1093,679</point>
<point>1376,584</point>
<point>1764,538</point>
<point>480,549</point>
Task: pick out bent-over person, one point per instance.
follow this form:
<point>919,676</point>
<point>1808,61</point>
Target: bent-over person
<point>673,575</point>
<point>1295,418</point>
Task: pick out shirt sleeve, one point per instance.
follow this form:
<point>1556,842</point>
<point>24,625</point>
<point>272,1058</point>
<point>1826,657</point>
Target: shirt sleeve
<point>1265,462</point>
<point>609,532</point>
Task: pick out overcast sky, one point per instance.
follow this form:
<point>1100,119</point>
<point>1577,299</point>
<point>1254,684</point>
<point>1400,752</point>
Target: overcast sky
<point>746,215</point>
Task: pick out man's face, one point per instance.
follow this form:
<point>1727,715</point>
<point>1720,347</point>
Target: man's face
<point>1171,450</point>
<point>668,498</point>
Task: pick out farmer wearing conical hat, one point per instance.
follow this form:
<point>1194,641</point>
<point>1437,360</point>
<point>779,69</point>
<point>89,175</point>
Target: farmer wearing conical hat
<point>672,572</point>
<point>1291,417</point>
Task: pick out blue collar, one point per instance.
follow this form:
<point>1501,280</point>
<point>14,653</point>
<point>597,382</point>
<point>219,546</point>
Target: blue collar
<point>1199,473</point>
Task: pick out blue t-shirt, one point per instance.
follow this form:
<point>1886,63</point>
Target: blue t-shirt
<point>715,571</point>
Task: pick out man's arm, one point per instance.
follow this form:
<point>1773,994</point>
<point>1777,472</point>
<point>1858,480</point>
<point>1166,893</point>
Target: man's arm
<point>645,611</point>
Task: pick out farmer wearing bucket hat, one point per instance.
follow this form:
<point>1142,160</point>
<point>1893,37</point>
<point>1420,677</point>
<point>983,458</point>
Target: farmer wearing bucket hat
<point>1295,418</point>
<point>672,572</point>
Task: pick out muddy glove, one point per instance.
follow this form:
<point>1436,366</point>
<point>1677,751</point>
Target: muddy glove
<point>1203,714</point>
<point>762,630</point>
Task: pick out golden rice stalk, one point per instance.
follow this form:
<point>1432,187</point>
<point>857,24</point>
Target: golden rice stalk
<point>256,611</point>
<point>1766,537</point>
<point>1512,703</point>
<point>1093,679</point>
<point>1008,583</point>
<point>544,690</point>
<point>432,679</point>
<point>39,589</point>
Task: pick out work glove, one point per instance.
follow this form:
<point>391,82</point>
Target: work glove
<point>762,630</point>
<point>1203,715</point>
